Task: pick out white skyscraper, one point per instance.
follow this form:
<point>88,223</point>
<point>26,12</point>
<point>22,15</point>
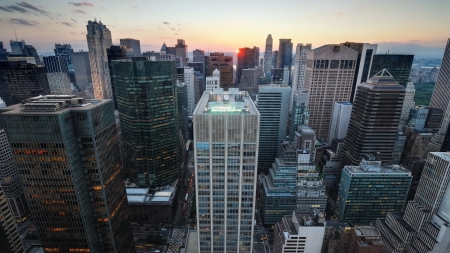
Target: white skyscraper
<point>268,57</point>
<point>298,75</point>
<point>226,130</point>
<point>213,82</point>
<point>189,81</point>
<point>340,120</point>
<point>99,39</point>
<point>408,103</point>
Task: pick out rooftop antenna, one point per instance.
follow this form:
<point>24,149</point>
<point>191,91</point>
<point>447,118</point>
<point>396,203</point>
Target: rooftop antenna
<point>15,32</point>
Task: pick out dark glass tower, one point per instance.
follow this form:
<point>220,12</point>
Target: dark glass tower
<point>247,58</point>
<point>398,65</point>
<point>115,53</point>
<point>284,54</point>
<point>20,80</point>
<point>68,156</point>
<point>146,93</point>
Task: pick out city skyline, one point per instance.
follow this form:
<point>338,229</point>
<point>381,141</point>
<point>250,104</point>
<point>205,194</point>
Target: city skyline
<point>421,31</point>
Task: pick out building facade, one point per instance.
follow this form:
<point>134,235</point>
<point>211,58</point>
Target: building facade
<point>68,156</point>
<point>213,82</point>
<point>133,44</point>
<point>250,80</point>
<point>226,129</point>
<point>408,103</point>
<point>299,115</point>
<point>83,76</point>
<point>9,236</point>
<point>98,40</point>
<point>58,74</point>
<point>148,108</point>
<point>268,60</point>
<point>247,58</point>
<point>340,120</point>
<point>225,66</point>
<point>284,54</point>
<point>298,75</point>
<point>273,105</point>
<point>398,65</point>
<point>328,79</point>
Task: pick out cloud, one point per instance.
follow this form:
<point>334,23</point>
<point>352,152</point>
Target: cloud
<point>21,21</point>
<point>176,34</point>
<point>5,9</point>
<point>178,23</point>
<point>82,4</point>
<point>134,6</point>
<point>166,23</point>
<point>179,30</point>
<point>173,29</point>
<point>74,20</point>
<point>79,11</point>
<point>17,8</point>
<point>67,24</point>
<point>340,14</point>
<point>32,7</point>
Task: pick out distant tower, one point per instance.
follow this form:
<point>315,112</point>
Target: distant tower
<point>133,44</point>
<point>224,64</point>
<point>99,39</point>
<point>268,57</point>
<point>246,58</point>
<point>284,54</point>
<point>408,103</point>
<point>399,65</point>
<point>298,76</point>
<point>181,50</point>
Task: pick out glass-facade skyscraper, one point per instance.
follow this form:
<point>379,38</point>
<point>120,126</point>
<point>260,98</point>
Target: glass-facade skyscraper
<point>146,95</point>
<point>398,65</point>
<point>67,153</point>
<point>226,129</point>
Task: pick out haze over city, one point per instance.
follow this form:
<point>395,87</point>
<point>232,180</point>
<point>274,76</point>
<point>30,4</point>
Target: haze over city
<point>411,27</point>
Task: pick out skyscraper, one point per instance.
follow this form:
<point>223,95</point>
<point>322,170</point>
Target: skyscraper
<point>375,118</point>
<point>441,99</point>
<point>68,156</point>
<point>133,44</point>
<point>299,115</point>
<point>328,79</point>
<point>115,53</point>
<point>9,236</point>
<point>298,77</point>
<point>366,52</point>
<point>250,80</point>
<point>226,129</point>
<point>213,82</point>
<point>368,191</point>
<point>198,56</point>
<point>268,60</point>
<point>98,40</point>
<point>181,50</point>
<point>58,74</point>
<point>148,119</point>
<point>20,80</point>
<point>224,64</point>
<point>17,46</point>
<point>340,120</point>
<point>83,77</point>
<point>273,105</point>
<point>423,227</point>
<point>10,181</point>
<point>246,58</point>
<point>399,65</point>
<point>408,103</point>
<point>64,49</point>
<point>284,54</point>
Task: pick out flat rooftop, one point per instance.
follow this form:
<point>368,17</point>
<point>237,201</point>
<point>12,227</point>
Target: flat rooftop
<point>219,101</point>
<point>443,155</point>
<point>147,196</point>
<point>376,167</point>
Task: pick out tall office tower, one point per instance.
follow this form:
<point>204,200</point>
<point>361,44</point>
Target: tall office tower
<point>83,77</point>
<point>300,232</point>
<point>9,236</point>
<point>58,74</point>
<point>115,53</point>
<point>98,40</point>
<point>189,80</point>
<point>224,64</point>
<point>310,188</point>
<point>340,120</point>
<point>10,181</point>
<point>181,50</point>
<point>20,80</point>
<point>434,119</point>
<point>366,52</point>
<point>133,44</point>
<point>68,156</point>
<point>250,80</point>
<point>328,79</point>
<point>30,51</point>
<point>298,77</point>
<point>198,55</point>
<point>397,64</point>
<point>368,191</point>
<point>397,150</point>
<point>268,60</point>
<point>226,129</point>
<point>299,115</point>
<point>417,117</point>
<point>182,110</point>
<point>375,118</point>
<point>408,103</point>
<point>330,161</point>
<point>415,145</point>
<point>148,119</point>
<point>273,105</point>
<point>17,47</point>
<point>213,82</point>
<point>441,100</point>
<point>278,191</point>
<point>286,75</point>
<point>284,54</point>
<point>423,227</point>
<point>64,49</point>
<point>247,58</point>
<point>275,59</point>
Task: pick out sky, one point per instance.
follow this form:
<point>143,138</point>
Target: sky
<point>419,27</point>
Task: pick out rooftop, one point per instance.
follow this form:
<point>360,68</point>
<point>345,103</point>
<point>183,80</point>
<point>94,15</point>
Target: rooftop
<point>232,101</point>
<point>148,196</point>
<point>376,167</point>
